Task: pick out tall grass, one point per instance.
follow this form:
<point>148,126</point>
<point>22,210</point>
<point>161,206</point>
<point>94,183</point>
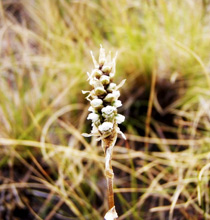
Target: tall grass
<point>47,168</point>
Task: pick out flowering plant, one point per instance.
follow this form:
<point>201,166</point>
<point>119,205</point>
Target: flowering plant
<point>104,102</point>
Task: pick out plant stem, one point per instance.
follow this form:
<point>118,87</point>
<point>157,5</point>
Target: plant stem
<point>108,144</point>
<point>109,177</point>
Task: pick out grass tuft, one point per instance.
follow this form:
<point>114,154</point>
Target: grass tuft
<point>47,169</point>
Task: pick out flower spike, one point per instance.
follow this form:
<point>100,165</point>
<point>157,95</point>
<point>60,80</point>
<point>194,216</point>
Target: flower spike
<point>104,96</point>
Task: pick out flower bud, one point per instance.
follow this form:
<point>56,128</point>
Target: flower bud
<point>106,69</point>
<point>96,73</point>
<point>102,61</point>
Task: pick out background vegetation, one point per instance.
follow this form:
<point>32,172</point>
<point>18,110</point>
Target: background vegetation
<point>47,169</point>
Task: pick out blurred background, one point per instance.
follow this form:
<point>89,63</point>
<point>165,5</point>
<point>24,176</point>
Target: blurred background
<point>47,169</point>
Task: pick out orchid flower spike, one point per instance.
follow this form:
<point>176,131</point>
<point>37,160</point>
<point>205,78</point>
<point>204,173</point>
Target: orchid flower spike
<point>104,97</point>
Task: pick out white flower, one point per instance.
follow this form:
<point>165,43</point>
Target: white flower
<point>117,103</point>
<point>112,96</point>
<point>116,94</point>
<point>120,118</point>
<point>109,98</point>
<point>108,110</point>
<point>100,91</point>
<point>92,81</point>
<point>105,127</point>
<point>111,87</point>
<point>93,116</point>
<point>99,88</point>
<point>96,73</point>
<point>96,103</point>
<point>104,79</point>
<point>106,69</point>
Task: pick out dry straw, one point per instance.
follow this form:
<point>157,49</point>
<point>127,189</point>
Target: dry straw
<point>104,102</point>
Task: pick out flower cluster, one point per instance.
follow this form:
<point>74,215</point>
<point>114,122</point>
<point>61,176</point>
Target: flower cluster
<point>104,97</point>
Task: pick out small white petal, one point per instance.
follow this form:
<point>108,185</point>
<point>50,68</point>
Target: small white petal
<point>92,81</point>
<point>111,75</point>
<point>111,87</point>
<point>121,84</point>
<point>108,110</point>
<point>97,83</point>
<point>120,132</point>
<point>109,98</point>
<point>116,94</point>
<point>112,96</point>
<point>93,116</point>
<point>96,103</point>
<point>123,136</point>
<point>106,126</point>
<point>85,92</point>
<point>91,109</point>
<point>86,135</point>
<point>94,130</point>
<point>88,97</point>
<point>120,118</point>
<point>102,56</point>
<point>117,103</point>
<point>102,61</point>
